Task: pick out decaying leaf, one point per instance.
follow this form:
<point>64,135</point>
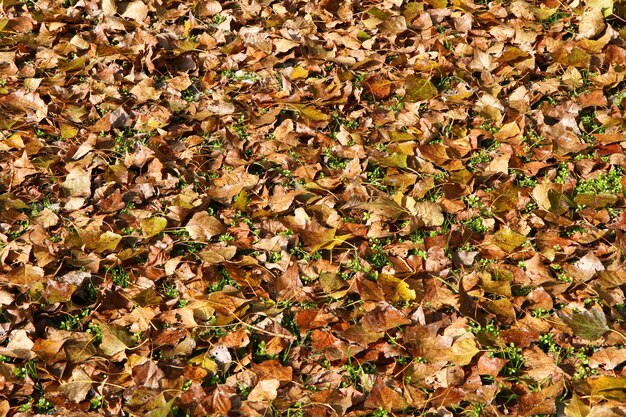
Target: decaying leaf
<point>419,88</point>
<point>588,324</point>
<point>312,208</point>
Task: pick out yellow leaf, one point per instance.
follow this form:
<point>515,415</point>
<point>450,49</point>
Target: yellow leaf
<point>438,4</point>
<point>595,200</point>
<point>68,131</point>
<point>608,387</point>
<point>337,240</point>
<point>107,242</point>
<point>396,289</point>
<point>543,13</point>
<point>299,73</point>
<point>401,136</point>
<point>394,160</point>
<point>576,407</point>
<point>152,226</point>
<point>508,240</point>
<point>312,113</point>
<point>242,201</point>
<point>419,88</point>
<point>502,307</point>
<point>204,361</point>
<point>463,350</point>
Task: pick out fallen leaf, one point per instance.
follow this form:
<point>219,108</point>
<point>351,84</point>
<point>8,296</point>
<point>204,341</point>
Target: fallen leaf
<point>136,10</point>
<point>609,358</point>
<point>419,88</point>
<point>152,226</point>
<point>576,407</point>
<point>508,240</point>
<point>202,227</point>
<point>396,289</point>
<point>77,183</point>
<point>586,324</point>
<point>385,397</point>
<point>77,386</point>
<point>606,6</point>
<point>265,390</point>
<point>462,351</point>
<point>608,387</point>
<point>311,113</point>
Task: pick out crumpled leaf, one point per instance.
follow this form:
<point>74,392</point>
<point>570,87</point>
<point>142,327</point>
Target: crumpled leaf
<point>30,104</point>
<point>230,184</point>
<point>385,397</point>
<point>136,10</point>
<point>592,23</point>
<point>426,212</point>
<point>384,317</point>
<point>586,324</point>
<point>385,207</point>
<point>77,183</point>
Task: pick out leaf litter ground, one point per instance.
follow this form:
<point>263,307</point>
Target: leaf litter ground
<point>260,208</point>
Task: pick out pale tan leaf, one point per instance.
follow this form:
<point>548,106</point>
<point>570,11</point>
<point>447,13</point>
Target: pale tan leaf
<point>576,407</point>
<point>78,386</point>
<point>591,24</point>
<point>136,10</point>
<point>265,390</point>
<point>77,183</point>
<point>203,227</point>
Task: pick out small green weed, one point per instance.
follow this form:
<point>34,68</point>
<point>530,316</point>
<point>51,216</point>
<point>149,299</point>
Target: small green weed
<point>354,374</point>
<point>476,224</point>
<point>514,357</point>
<point>73,321</point>
<point>609,183</point>
<point>378,259</point>
<point>554,18</point>
<point>218,19</point>
<point>120,276</point>
<point>375,175</point>
<point>562,172</point>
<point>332,161</point>
<point>478,158</point>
